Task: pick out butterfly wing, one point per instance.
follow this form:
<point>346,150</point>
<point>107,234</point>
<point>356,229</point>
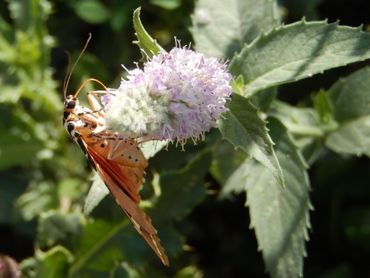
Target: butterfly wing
<point>114,176</point>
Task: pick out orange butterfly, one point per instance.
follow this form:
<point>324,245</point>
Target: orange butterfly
<point>118,161</point>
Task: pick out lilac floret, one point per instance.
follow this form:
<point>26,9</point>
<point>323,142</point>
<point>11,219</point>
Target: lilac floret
<point>177,96</point>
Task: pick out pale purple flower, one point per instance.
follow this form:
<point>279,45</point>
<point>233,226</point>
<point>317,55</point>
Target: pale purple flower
<point>177,96</point>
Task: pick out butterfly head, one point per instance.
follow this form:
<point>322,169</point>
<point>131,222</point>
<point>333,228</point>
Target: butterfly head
<point>70,102</point>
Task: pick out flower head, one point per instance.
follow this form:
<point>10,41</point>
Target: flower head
<point>177,96</point>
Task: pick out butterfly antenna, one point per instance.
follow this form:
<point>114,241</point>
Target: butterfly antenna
<point>71,69</point>
<point>65,76</point>
<point>90,80</point>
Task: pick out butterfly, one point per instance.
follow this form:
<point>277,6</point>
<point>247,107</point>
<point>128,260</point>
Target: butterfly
<point>118,161</point>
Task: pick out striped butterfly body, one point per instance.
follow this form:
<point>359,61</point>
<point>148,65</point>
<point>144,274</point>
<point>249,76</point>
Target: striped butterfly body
<point>118,161</point>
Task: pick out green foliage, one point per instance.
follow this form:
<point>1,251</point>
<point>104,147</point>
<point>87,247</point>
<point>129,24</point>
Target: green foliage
<point>296,51</point>
<point>265,149</point>
<point>221,28</point>
<point>145,42</point>
<point>244,128</point>
<point>279,215</point>
<point>350,101</point>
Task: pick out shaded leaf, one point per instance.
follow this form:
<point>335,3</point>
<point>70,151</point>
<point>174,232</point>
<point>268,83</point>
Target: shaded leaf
<point>349,96</point>
<point>298,50</point>
<point>182,189</point>
<point>225,160</point>
<point>350,101</point>
<point>53,263</point>
<point>98,248</point>
<point>92,11</point>
<point>351,138</point>
<point>189,272</point>
<point>16,149</point>
<point>244,128</point>
<point>38,198</point>
<point>220,28</point>
<point>278,215</point>
<point>298,120</point>
<point>59,228</point>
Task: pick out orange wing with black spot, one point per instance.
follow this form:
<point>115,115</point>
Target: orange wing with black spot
<point>124,183</point>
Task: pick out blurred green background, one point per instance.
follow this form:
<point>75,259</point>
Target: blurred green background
<point>41,169</point>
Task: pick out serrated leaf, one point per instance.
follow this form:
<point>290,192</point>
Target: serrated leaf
<point>296,51</point>
<point>146,43</point>
<point>279,215</point>
<point>350,101</point>
<point>244,128</point>
<point>220,28</point>
<point>184,187</point>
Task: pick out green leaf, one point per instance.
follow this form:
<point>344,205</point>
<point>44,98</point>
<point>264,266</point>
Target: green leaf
<point>92,11</point>
<point>167,4</point>
<point>350,96</point>
<point>59,228</point>
<point>278,215</point>
<point>38,198</point>
<point>97,192</point>
<point>299,121</point>
<point>183,187</point>
<point>225,160</point>
<point>147,44</point>
<point>220,28</point>
<point>298,51</point>
<point>350,101</point>
<point>189,272</point>
<point>352,137</point>
<point>99,247</point>
<point>16,149</point>
<point>244,128</point>
<point>324,109</point>
<point>53,263</point>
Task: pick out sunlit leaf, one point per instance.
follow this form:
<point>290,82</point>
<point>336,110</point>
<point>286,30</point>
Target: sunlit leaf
<point>244,128</point>
<point>147,44</point>
<point>298,50</point>
<point>221,28</point>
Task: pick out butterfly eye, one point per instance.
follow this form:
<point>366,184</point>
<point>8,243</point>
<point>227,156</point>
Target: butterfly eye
<point>70,126</point>
<point>71,104</point>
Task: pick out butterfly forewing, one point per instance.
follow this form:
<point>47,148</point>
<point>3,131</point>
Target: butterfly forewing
<point>115,183</point>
